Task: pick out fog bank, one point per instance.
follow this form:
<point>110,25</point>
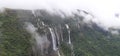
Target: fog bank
<point>106,12</point>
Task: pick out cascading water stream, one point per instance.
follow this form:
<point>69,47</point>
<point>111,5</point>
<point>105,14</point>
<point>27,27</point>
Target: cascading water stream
<point>59,53</point>
<point>57,36</point>
<point>53,39</point>
<point>67,26</point>
<point>43,23</point>
<point>40,42</point>
<point>55,48</point>
<point>33,12</point>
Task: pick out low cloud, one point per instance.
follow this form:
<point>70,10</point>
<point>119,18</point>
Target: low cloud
<point>103,10</point>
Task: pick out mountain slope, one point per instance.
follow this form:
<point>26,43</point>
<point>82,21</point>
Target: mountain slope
<point>41,33</point>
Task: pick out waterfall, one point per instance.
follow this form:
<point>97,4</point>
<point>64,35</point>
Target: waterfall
<point>59,53</point>
<point>67,26</point>
<point>33,12</point>
<point>53,39</point>
<point>71,46</point>
<point>57,36</point>
<point>43,23</point>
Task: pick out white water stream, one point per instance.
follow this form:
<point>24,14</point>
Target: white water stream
<point>53,39</point>
<point>67,26</point>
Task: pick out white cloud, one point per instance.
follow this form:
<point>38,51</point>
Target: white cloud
<point>104,10</point>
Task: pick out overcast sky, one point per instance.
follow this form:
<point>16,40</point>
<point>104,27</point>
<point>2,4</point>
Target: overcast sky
<point>104,10</point>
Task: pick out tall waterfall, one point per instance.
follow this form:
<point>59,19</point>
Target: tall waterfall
<point>71,46</point>
<point>54,36</point>
<point>53,39</point>
<point>42,42</point>
<point>67,26</point>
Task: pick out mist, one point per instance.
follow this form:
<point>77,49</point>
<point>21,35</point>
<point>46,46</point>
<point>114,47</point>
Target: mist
<point>106,12</point>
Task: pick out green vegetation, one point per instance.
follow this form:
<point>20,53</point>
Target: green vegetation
<point>90,42</point>
<point>65,49</point>
<point>14,40</point>
<point>86,41</point>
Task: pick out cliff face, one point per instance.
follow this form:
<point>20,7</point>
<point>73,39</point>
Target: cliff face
<point>49,34</point>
